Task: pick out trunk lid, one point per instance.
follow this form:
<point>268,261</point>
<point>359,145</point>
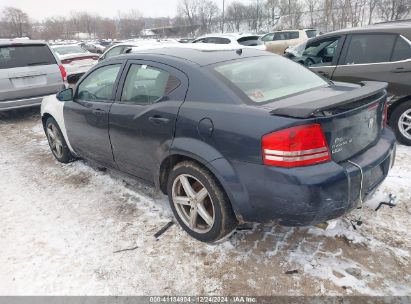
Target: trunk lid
<point>351,116</point>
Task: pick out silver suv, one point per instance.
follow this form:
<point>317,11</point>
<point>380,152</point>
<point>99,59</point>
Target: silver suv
<point>29,70</point>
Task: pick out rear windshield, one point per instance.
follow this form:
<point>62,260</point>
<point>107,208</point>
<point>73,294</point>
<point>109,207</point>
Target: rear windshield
<point>25,55</point>
<point>266,78</point>
<point>69,49</point>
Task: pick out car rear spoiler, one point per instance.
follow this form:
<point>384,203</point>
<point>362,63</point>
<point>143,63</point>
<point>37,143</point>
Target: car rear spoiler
<point>318,107</point>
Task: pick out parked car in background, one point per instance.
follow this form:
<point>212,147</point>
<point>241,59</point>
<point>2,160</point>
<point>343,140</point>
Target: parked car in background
<point>278,41</point>
<point>94,47</point>
<point>186,40</point>
<point>75,60</point>
<point>120,48</point>
<point>248,40</point>
<point>29,71</point>
<point>380,52</point>
<point>231,136</point>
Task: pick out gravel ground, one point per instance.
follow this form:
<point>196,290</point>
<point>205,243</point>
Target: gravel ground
<point>61,226</point>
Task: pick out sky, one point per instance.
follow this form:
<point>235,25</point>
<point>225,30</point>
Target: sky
<point>40,9</point>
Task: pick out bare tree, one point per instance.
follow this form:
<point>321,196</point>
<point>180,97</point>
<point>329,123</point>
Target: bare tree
<point>207,11</point>
<point>16,21</point>
<point>130,24</point>
<point>394,9</point>
<point>188,9</point>
<point>236,14</point>
<point>274,11</point>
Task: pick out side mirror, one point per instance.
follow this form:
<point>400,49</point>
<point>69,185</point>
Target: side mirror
<point>65,95</point>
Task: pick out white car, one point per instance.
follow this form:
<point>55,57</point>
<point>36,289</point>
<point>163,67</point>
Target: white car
<point>75,60</point>
<point>120,48</point>
<point>243,40</point>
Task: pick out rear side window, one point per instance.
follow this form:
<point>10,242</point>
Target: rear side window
<point>218,40</point>
<point>266,78</point>
<point>402,50</point>
<point>145,85</point>
<point>25,55</point>
<point>293,35</point>
<point>280,36</point>
<point>370,48</point>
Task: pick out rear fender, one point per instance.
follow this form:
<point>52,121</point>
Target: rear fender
<point>219,166</point>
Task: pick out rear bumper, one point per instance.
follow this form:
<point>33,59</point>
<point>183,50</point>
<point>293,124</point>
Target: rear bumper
<point>309,195</point>
<point>21,103</point>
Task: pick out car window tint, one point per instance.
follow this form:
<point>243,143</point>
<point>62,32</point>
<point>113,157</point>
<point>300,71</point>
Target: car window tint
<point>99,84</point>
<point>402,50</point>
<point>293,35</point>
<point>321,52</point>
<point>249,41</point>
<point>267,78</point>
<point>370,48</point>
<point>114,52</point>
<point>145,85</point>
<point>25,55</point>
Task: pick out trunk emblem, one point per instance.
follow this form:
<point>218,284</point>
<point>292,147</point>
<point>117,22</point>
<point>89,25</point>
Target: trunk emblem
<point>371,123</point>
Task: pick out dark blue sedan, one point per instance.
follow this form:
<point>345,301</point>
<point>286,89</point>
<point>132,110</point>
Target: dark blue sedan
<point>231,136</point>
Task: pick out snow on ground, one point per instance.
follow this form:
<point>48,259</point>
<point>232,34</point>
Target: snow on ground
<point>61,225</point>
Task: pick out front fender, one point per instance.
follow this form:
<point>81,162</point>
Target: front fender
<point>53,107</point>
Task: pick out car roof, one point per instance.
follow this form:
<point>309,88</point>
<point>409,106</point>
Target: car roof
<point>388,27</point>
<point>62,45</point>
<point>20,42</point>
<point>201,56</point>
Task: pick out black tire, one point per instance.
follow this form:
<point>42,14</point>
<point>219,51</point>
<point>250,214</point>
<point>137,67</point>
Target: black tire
<point>395,120</point>
<point>66,155</point>
<point>224,218</point>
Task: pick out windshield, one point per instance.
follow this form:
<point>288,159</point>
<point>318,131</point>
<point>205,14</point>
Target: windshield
<point>70,49</point>
<point>267,78</point>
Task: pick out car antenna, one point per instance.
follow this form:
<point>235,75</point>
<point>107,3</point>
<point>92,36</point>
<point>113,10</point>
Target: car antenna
<point>239,51</point>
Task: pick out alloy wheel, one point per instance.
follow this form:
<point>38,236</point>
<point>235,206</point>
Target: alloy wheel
<point>54,138</point>
<point>404,124</point>
<point>193,203</point>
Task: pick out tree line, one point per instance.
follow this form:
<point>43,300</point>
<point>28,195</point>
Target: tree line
<point>196,17</point>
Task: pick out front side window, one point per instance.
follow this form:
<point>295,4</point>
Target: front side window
<point>268,37</point>
<point>218,40</point>
<point>145,85</point>
<point>402,50</point>
<point>321,52</point>
<point>371,48</point>
<point>266,78</point>
<point>99,84</point>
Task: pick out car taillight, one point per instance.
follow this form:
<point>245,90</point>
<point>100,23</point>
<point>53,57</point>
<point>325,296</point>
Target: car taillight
<point>296,146</point>
<point>385,115</point>
<point>63,72</point>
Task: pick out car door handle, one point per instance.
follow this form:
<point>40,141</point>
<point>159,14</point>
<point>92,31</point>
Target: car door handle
<point>323,73</point>
<point>401,70</point>
<point>158,119</point>
<point>98,112</point>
